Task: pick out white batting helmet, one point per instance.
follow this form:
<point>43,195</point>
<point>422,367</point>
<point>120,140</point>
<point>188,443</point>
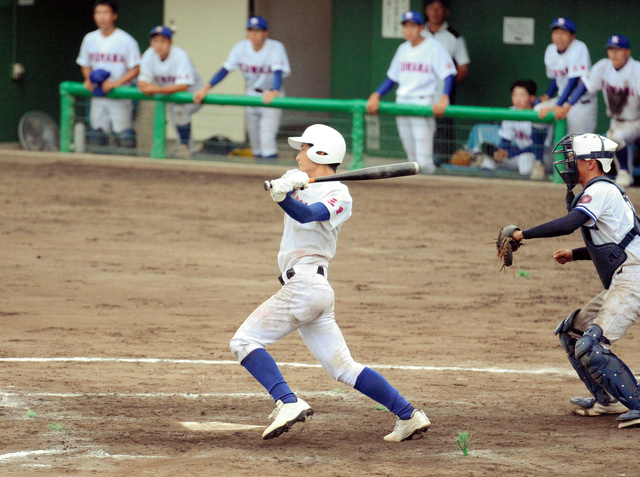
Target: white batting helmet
<point>322,139</point>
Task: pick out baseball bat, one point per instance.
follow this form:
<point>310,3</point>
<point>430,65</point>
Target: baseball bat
<point>367,174</point>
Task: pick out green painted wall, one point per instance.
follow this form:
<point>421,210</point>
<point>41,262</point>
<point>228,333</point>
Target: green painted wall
<point>361,56</point>
<point>47,37</point>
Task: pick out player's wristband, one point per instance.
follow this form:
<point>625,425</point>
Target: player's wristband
<point>449,83</point>
<point>277,80</point>
<point>571,85</point>
<point>553,88</point>
<point>577,93</point>
<point>386,86</point>
<point>219,76</point>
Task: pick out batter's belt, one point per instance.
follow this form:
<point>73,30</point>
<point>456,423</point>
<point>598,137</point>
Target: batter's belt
<point>291,273</point>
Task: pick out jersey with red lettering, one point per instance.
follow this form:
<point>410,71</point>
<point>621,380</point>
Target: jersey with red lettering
<point>318,247</point>
<point>620,88</point>
<point>257,67</point>
<point>418,69</point>
<point>116,53</point>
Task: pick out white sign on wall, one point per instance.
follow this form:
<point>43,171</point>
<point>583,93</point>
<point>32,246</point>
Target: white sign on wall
<point>517,31</point>
<point>392,11</point>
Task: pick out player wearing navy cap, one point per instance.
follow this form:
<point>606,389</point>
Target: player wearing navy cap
<point>165,69</point>
<point>418,65</point>
<point>567,60</point>
<point>264,65</point>
<point>108,58</point>
<point>618,77</point>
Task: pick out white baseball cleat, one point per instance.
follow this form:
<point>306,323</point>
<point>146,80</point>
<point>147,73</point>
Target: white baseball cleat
<point>598,409</point>
<point>629,419</point>
<point>406,429</point>
<point>286,415</point>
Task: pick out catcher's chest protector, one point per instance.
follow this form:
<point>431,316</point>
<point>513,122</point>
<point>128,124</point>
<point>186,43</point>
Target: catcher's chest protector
<point>607,257</point>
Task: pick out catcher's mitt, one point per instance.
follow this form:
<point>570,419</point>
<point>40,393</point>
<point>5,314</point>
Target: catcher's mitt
<point>461,158</point>
<point>506,245</point>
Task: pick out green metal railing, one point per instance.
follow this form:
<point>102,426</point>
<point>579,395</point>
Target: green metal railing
<point>355,107</point>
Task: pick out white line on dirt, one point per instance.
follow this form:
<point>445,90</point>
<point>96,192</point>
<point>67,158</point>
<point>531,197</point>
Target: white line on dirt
<point>16,455</point>
<point>560,371</point>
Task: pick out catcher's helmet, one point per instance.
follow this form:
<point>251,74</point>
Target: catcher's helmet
<point>323,139</point>
<point>585,147</point>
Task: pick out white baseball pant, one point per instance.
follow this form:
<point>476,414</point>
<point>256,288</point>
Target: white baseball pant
<point>416,134</point>
<point>111,115</point>
<point>305,303</point>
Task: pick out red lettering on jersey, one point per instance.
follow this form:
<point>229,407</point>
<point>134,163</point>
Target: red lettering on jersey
<point>332,202</point>
<point>585,199</point>
<point>339,210</point>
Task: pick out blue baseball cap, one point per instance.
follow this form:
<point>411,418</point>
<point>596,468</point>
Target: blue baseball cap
<point>161,30</point>
<point>618,41</point>
<point>257,23</point>
<point>412,16</point>
<point>565,24</point>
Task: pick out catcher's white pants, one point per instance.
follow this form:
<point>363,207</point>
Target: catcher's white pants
<point>615,309</point>
<point>111,115</point>
<point>416,134</point>
<point>305,303</point>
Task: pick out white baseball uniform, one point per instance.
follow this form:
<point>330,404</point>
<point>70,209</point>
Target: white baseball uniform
<point>418,70</point>
<point>621,92</point>
<point>257,68</point>
<point>617,308</point>
<point>574,62</point>
<point>177,68</point>
<point>306,301</point>
<point>117,54</point>
<point>453,42</point>
<point>520,134</point>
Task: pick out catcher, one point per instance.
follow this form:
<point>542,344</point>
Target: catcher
<point>610,230</point>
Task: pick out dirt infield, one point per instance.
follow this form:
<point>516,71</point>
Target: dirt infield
<point>123,280</point>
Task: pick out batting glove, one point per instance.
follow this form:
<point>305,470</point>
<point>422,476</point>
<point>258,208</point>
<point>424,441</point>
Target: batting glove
<point>298,179</point>
<point>280,188</point>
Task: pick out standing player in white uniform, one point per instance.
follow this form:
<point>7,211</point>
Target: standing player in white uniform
<point>438,11</point>
<point>567,60</point>
<point>166,69</point>
<point>109,58</point>
<point>618,77</point>
<point>264,65</point>
<point>417,67</point>
<point>610,230</point>
<point>314,215</point>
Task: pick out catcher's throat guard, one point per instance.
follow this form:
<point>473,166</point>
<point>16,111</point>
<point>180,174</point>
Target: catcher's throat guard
<point>569,170</point>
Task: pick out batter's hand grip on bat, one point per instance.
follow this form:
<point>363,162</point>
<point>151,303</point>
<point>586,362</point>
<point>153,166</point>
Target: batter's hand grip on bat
<point>267,184</point>
<point>368,173</point>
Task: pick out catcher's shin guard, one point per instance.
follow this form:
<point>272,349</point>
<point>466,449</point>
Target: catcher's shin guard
<point>569,344</point>
<point>606,368</point>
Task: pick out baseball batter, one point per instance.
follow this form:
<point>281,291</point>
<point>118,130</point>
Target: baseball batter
<point>567,60</point>
<point>610,230</point>
<point>165,69</point>
<point>314,215</point>
<point>618,77</point>
<point>417,66</point>
<point>264,65</point>
<point>109,58</point>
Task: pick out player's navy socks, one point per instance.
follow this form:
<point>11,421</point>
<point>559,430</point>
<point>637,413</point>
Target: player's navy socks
<point>185,133</point>
<point>373,385</point>
<point>265,370</point>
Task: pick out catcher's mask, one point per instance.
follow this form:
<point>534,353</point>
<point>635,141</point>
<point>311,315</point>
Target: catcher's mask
<point>585,147</point>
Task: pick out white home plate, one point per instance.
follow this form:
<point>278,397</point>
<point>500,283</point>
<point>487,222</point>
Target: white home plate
<point>218,426</point>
